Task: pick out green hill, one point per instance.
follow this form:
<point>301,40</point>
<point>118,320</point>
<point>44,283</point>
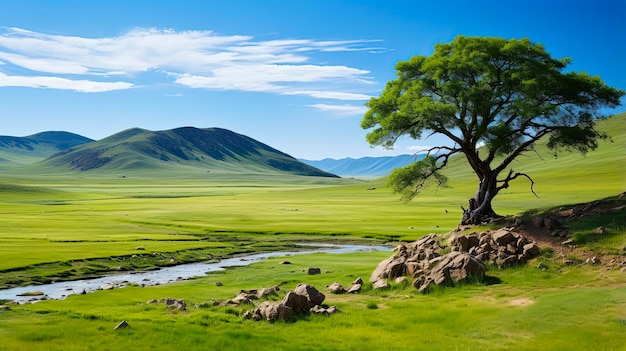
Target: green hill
<point>177,151</point>
<point>15,151</point>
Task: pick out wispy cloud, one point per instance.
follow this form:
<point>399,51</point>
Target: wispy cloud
<point>419,149</point>
<point>83,86</point>
<point>345,110</point>
<point>195,59</point>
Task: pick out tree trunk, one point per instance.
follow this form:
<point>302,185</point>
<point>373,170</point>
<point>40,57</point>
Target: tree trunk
<point>480,210</point>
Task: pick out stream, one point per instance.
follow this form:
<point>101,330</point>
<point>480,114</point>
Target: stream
<point>61,290</point>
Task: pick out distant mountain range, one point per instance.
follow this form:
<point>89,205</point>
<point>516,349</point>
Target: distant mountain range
<point>181,149</point>
<point>140,150</point>
<point>364,167</point>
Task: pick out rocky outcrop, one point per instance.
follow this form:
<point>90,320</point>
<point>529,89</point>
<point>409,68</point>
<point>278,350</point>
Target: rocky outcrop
<point>449,270</point>
<point>303,300</point>
<point>503,247</point>
<point>171,303</point>
<point>424,262</point>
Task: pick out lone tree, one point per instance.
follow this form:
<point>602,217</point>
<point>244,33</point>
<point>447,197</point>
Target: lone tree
<point>494,99</point>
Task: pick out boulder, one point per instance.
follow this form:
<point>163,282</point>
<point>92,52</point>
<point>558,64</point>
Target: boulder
<point>312,294</point>
<point>453,268</point>
<point>530,250</point>
<point>242,298</point>
<point>355,288</point>
<point>266,310</point>
<point>503,237</point>
<point>380,284</point>
<point>324,311</point>
<point>314,271</point>
<point>298,303</point>
<point>336,288</point>
<point>265,292</point>
<point>177,304</point>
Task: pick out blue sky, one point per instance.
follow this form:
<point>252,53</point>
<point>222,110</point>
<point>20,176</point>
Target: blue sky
<point>291,74</point>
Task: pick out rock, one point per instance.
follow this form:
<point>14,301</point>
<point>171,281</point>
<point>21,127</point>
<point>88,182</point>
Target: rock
<point>599,230</point>
<point>312,294</point>
<point>530,250</point>
<point>284,262</point>
<point>298,303</point>
<point>153,301</point>
<point>266,310</point>
<point>176,304</point>
<point>568,242</point>
<point>219,284</point>
<point>121,325</point>
<point>265,292</point>
<point>380,284</point>
<point>243,297</point>
<point>314,271</point>
<point>502,237</point>
<point>462,242</point>
<point>453,268</point>
<point>271,312</point>
<point>324,311</point>
<point>358,281</point>
<point>336,288</point>
<point>505,260</point>
<point>355,288</point>
<point>392,267</point>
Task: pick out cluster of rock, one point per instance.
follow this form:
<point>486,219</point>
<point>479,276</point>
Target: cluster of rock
<point>337,288</point>
<point>303,299</point>
<point>504,247</point>
<point>424,262</point>
<point>247,296</point>
<point>171,303</point>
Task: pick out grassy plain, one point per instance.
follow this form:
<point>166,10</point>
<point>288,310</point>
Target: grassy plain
<point>55,227</point>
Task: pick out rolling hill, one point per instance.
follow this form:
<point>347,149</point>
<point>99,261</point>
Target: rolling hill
<point>181,149</point>
<point>15,151</point>
<point>363,167</point>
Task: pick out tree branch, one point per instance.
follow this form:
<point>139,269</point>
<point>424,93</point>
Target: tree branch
<point>514,175</point>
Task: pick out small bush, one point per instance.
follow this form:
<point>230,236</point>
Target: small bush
<point>372,305</point>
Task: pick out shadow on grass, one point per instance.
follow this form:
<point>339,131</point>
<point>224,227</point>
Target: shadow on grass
<point>490,280</point>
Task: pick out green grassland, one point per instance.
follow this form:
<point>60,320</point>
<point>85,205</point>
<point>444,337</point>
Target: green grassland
<point>55,227</point>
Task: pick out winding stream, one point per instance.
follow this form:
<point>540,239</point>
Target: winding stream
<point>165,275</point>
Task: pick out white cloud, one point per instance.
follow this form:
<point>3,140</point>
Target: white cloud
<point>419,149</point>
<point>341,109</point>
<point>329,95</point>
<point>83,86</point>
<point>196,59</point>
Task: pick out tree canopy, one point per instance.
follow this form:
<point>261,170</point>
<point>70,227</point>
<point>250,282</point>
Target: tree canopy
<point>498,94</point>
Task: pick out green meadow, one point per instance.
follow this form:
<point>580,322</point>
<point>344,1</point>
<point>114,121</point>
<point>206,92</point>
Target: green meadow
<point>69,226</point>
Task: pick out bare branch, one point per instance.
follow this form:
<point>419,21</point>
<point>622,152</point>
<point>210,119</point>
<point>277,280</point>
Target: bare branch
<point>514,175</point>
